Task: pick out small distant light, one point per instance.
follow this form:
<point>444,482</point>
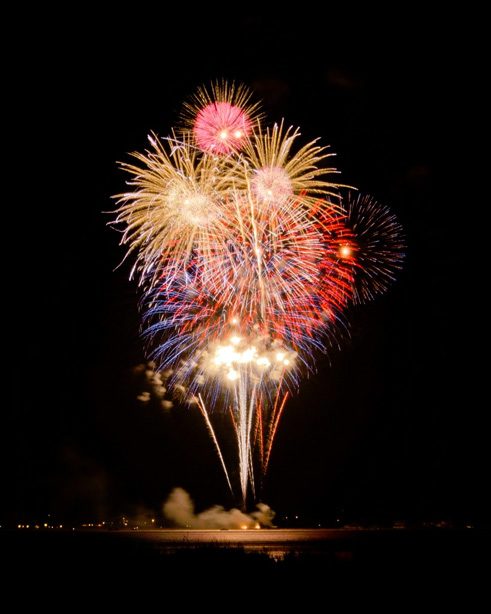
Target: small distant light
<point>235,340</point>
<point>345,251</point>
<point>233,375</point>
<point>238,134</point>
<point>153,519</point>
<point>45,524</point>
<point>280,356</point>
<point>223,135</point>
<point>19,526</point>
<point>286,361</point>
<point>234,321</point>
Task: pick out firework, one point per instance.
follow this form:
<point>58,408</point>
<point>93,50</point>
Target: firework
<point>248,258</point>
<point>376,247</point>
<point>175,206</point>
<point>221,118</point>
<point>276,173</point>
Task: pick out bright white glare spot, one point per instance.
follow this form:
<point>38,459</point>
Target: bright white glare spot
<point>233,375</point>
<point>225,355</point>
<point>235,340</point>
<point>223,135</point>
<point>247,355</point>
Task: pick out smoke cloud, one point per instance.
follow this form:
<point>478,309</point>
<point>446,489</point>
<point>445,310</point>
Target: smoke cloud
<point>154,381</point>
<point>179,509</point>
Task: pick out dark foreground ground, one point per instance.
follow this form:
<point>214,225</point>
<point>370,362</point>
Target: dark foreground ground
<point>267,565</point>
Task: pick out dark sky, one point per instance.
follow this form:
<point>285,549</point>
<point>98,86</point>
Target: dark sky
<point>385,429</point>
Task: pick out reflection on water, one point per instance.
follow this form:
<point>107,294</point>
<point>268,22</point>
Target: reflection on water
<point>276,544</point>
<point>277,555</point>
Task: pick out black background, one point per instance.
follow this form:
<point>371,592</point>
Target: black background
<point>386,429</point>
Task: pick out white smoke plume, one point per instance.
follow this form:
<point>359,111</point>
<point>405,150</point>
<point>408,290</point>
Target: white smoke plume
<point>179,509</point>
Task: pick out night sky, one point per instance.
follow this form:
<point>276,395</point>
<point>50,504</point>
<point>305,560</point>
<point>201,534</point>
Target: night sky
<point>385,430</point>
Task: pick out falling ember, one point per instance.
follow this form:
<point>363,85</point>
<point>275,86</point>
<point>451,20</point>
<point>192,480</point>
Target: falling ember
<point>247,253</point>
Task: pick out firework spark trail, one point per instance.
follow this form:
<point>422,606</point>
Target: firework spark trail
<point>211,430</point>
<point>244,404</point>
<point>248,255</point>
<point>276,416</point>
<point>259,435</point>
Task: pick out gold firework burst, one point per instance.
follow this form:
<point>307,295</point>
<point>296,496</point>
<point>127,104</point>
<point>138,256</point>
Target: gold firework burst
<point>276,174</point>
<point>175,205</point>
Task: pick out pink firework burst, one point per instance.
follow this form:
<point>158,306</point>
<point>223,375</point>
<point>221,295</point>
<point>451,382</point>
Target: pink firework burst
<point>272,184</point>
<point>221,127</point>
